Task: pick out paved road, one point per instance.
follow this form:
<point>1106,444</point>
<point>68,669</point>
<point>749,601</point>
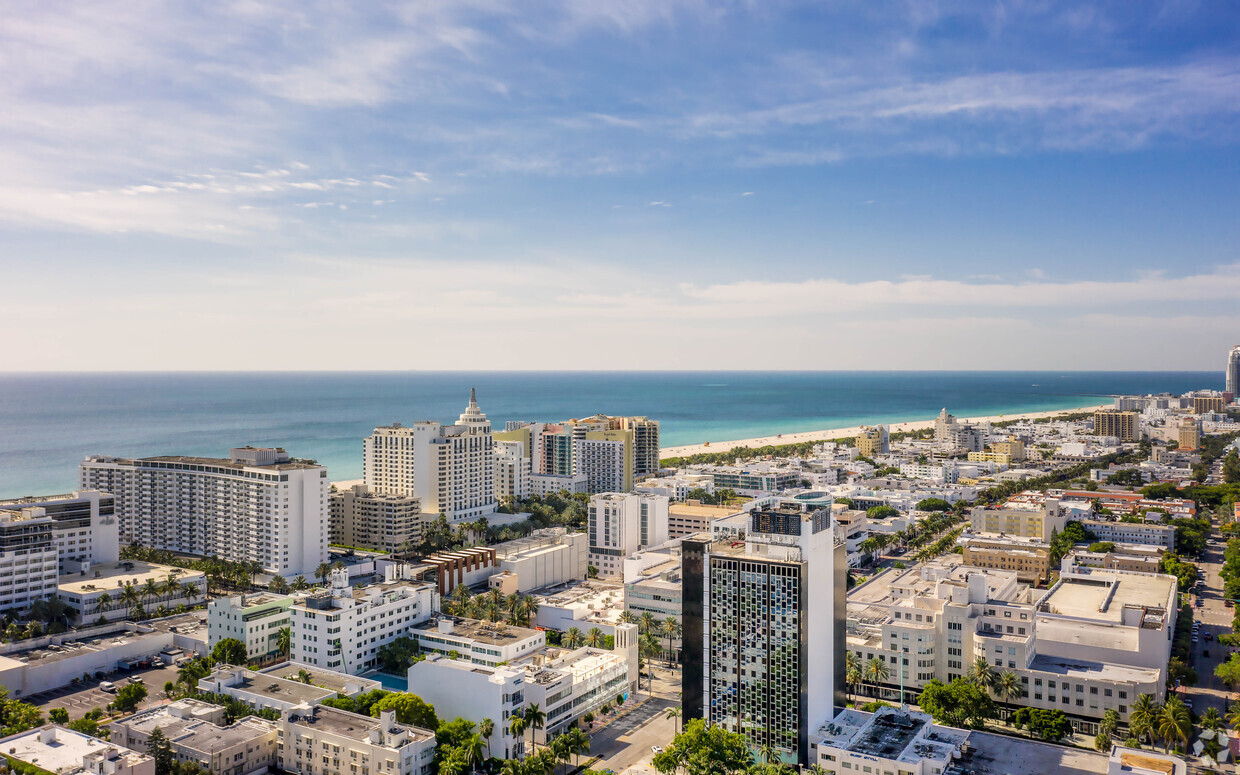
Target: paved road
<point>1215,618</point>
<point>78,701</point>
<point>627,742</point>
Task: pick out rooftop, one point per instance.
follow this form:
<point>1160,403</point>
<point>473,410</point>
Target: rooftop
<point>267,685</point>
<point>56,749</point>
<point>188,723</point>
<point>1104,594</point>
<point>351,725</point>
<point>113,576</point>
<point>495,634</point>
<point>214,462</point>
<point>341,683</point>
<point>1087,670</point>
<point>989,754</point>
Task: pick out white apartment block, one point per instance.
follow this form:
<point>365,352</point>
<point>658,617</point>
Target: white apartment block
<point>512,471</point>
<point>374,520</point>
<point>944,473</point>
<point>28,558</point>
<point>258,505</point>
<point>265,690</point>
<point>196,732</point>
<point>677,488</point>
<point>483,643</point>
<point>342,628</point>
<point>621,524</point>
<point>321,740</point>
<point>604,463</point>
<point>83,525</point>
<point>52,748</point>
<point>465,689</point>
<point>255,620</point>
<point>450,468</point>
<point>543,485</point>
<point>889,740</point>
<point>101,591</point>
<point>1096,640</point>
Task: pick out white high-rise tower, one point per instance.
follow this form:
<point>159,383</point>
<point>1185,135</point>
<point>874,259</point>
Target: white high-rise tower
<point>1233,372</point>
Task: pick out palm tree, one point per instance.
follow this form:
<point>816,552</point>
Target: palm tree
<point>852,669</point>
<point>675,713</point>
<point>578,742</point>
<point>103,602</point>
<point>172,587</point>
<point>1232,716</point>
<point>876,671</point>
<point>130,598</point>
<point>1110,722</point>
<point>471,750</point>
<point>560,749</point>
<point>151,589</point>
<point>646,622</point>
<point>191,592</point>
<point>516,726</point>
<point>1174,723</point>
<point>535,719</point>
<point>647,647</point>
<point>573,638</point>
<point>1008,687</point>
<point>628,617</point>
<point>1211,719</point>
<point>284,640</point>
<point>768,753</point>
<point>594,638</point>
<point>981,674</point>
<point>671,631</point>
<point>529,610</point>
<point>300,583</point>
<point>486,728</point>
<point>322,572</point>
<point>304,676</point>
<point>460,598</point>
<point>1142,719</point>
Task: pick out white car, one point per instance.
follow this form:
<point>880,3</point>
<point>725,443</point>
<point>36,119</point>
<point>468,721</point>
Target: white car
<point>107,686</point>
<point>656,749</point>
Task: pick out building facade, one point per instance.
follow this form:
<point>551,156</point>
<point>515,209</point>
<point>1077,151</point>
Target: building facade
<point>258,505</point>
<point>52,748</point>
<point>83,525</point>
<point>196,732</point>
<point>29,559</point>
<point>255,620</point>
<point>384,522</point>
<point>321,740</point>
<point>621,524</point>
<point>1123,425</point>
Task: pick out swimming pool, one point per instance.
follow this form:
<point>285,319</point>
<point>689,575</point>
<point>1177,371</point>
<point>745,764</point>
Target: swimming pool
<point>393,683</point>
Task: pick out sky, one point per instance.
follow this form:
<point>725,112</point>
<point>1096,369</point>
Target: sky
<point>622,184</point>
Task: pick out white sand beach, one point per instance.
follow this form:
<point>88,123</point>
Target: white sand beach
<point>842,433</point>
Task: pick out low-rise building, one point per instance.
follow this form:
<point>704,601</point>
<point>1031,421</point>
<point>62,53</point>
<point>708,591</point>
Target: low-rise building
<point>255,620</point>
<point>691,518</point>
<point>1029,557</point>
<point>542,485</point>
<point>53,748</point>
<point>1133,557</point>
<point>1138,761</point>
<point>196,732</point>
<point>114,590</point>
<point>343,627</point>
<point>462,688</point>
<point>485,643</point>
<point>567,684</point>
<point>889,740</point>
<point>321,740</point>
<point>1147,533</point>
<point>581,604</point>
<point>385,522</point>
<point>544,558</point>
<point>262,690</point>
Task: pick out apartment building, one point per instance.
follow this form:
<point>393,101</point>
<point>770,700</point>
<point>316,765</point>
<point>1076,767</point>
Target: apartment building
<point>343,627</point>
<point>1131,557</point>
<point>1118,423</point>
<point>1188,433</point>
<point>512,470</point>
<point>944,473</point>
<point>483,643</point>
<point>255,620</point>
<point>1028,520</point>
<point>84,526</point>
<point>544,558</point>
<point>621,524</point>
<point>605,461</point>
<point>1216,404</point>
<point>686,519</point>
<point>1014,448</point>
<point>384,522</point>
<point>196,732</point>
<point>677,488</point>
<point>321,740</point>
<point>763,629</point>
<point>52,748</point>
<point>29,559</point>
<point>873,441</point>
<point>449,468</point>
<point>257,505</point>
<point>752,479</point>
<point>1095,640</point>
<point>113,590</point>
<point>1029,557</point>
<point>542,485</point>
<point>461,688</point>
<point>1132,532</point>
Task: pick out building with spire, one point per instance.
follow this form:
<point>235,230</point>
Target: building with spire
<point>1233,372</point>
<point>451,468</point>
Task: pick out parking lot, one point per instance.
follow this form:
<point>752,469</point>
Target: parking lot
<point>80,699</point>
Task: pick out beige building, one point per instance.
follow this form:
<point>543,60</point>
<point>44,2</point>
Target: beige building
<point>873,441</point>
<point>1121,424</point>
<point>685,519</point>
<point>1002,458</point>
<point>1141,558</point>
<point>1032,520</point>
<point>1029,557</point>
<point>1188,433</point>
<point>196,732</point>
<point>383,522</point>
<point>1014,448</point>
<point>320,740</point>
<point>1209,404</point>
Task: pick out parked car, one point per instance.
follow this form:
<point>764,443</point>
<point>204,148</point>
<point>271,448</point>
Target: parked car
<point>135,679</point>
<point>107,686</point>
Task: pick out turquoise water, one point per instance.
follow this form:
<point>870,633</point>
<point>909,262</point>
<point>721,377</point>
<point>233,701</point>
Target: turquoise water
<point>393,683</point>
<point>48,423</point>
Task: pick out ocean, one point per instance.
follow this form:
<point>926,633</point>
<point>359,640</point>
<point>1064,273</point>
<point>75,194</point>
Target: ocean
<point>49,422</point>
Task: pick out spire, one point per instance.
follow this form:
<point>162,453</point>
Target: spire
<point>473,398</point>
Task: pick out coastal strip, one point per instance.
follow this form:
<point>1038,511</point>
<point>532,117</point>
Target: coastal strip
<point>843,433</point>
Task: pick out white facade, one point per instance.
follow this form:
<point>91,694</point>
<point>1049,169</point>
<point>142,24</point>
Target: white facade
<point>604,464</point>
<point>255,620</point>
<point>342,628</point>
<point>484,643</point>
<point>621,524</point>
<point>566,685</point>
<point>464,689</point>
<point>28,558</point>
<point>888,741</point>
<point>84,526</point>
<point>1233,372</point>
<point>544,558</point>
<point>320,740</point>
<point>196,733</point>
<point>451,468</point>
<point>100,591</point>
<point>256,506</point>
<point>55,749</point>
<point>512,470</point>
<point>548,484</point>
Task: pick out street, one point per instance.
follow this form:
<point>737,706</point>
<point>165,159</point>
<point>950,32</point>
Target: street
<point>1216,619</point>
<point>627,741</point>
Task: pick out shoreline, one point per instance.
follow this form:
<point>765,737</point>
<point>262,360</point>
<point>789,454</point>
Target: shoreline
<point>830,434</point>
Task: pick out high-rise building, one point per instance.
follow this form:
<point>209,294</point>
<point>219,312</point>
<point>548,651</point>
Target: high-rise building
<point>1189,433</point>
<point>83,526</point>
<point>1208,404</point>
<point>451,468</point>
<point>612,451</point>
<point>763,632</point>
<point>257,505</point>
<point>873,441</point>
<point>1123,425</point>
<point>374,520</point>
<point>621,524</point>
<point>1233,372</point>
<point>28,556</point>
<point>512,470</point>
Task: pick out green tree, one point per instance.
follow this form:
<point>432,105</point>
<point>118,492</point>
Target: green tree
<point>573,638</point>
<point>284,640</point>
<point>1174,723</point>
<point>160,749</point>
<point>933,504</point>
<point>128,697</point>
<point>876,671</point>
<point>516,727</point>
<point>705,750</point>
<point>958,704</point>
<point>1102,742</point>
<point>981,674</point>
<point>1008,687</point>
<point>1048,725</point>
<point>58,716</point>
<point>229,651</point>
<point>594,638</point>
<point>1142,719</point>
<point>399,655</point>
<point>486,728</point>
<point>1231,468</point>
<point>535,719</point>
<point>1229,672</point>
<point>410,709</point>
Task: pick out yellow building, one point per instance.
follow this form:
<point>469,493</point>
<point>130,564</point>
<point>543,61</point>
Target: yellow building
<point>1189,433</point>
<point>990,457</point>
<point>1014,448</point>
<point>872,442</point>
<point>1124,425</point>
<point>1208,404</point>
<point>1030,559</point>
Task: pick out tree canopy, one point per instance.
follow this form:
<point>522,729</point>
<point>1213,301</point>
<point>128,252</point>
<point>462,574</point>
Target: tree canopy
<point>1048,725</point>
<point>229,651</point>
<point>958,704</point>
<point>705,750</point>
<point>410,709</point>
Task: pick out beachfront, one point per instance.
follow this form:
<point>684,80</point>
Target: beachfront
<point>843,433</point>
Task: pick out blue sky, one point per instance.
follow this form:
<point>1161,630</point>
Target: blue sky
<point>621,184</point>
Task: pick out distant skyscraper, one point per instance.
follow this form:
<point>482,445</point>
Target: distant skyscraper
<point>1233,372</point>
<point>451,468</point>
<point>763,629</point>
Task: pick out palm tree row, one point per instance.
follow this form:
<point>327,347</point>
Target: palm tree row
<point>1169,722</point>
<point>220,573</point>
<point>516,609</point>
